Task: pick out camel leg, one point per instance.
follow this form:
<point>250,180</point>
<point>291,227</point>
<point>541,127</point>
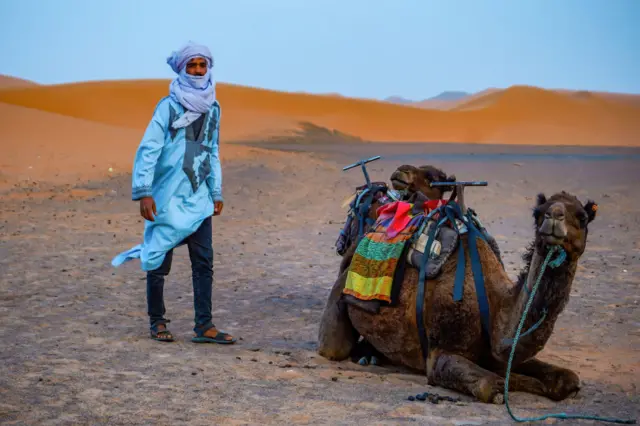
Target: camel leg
<point>558,383</point>
<point>456,372</point>
<point>336,335</point>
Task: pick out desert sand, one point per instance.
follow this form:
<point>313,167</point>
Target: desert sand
<point>517,115</point>
<point>469,100</point>
<point>75,346</point>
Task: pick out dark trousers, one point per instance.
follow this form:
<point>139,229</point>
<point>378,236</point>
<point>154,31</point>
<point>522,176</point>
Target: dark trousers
<point>201,254</point>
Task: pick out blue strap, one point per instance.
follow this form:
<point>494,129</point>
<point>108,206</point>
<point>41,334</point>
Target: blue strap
<point>422,334</point>
<point>363,211</point>
<point>458,285</point>
<point>478,277</point>
<point>454,211</point>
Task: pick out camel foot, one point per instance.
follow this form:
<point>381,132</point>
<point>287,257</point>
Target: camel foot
<point>364,361</point>
<point>558,382</point>
<point>365,354</point>
<point>456,372</point>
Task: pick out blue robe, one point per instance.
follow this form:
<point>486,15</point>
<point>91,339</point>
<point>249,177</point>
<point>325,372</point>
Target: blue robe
<point>181,171</point>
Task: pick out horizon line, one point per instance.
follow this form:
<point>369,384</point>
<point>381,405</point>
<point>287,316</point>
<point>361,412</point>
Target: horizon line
<point>168,79</point>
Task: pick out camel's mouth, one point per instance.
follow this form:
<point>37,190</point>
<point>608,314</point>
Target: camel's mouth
<point>552,240</point>
<point>399,184</point>
<point>399,181</point>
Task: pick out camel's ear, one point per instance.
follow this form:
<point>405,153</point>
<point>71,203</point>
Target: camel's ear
<point>434,175</point>
<point>540,200</point>
<point>442,177</point>
<point>591,208</point>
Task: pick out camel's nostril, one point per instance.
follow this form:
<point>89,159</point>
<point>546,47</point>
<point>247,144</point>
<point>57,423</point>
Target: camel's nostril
<point>556,211</point>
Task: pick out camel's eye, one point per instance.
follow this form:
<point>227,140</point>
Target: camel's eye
<point>537,213</point>
<point>582,218</point>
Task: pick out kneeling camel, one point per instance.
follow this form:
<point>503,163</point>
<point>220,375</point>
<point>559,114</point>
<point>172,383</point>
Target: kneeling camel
<point>460,357</point>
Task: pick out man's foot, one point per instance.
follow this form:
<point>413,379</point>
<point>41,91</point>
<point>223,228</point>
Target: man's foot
<point>213,335</point>
<point>161,333</point>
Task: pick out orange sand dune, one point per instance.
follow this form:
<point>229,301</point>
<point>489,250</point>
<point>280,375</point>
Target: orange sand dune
<point>39,146</point>
<point>7,82</point>
<point>473,101</point>
<point>624,98</point>
<point>508,116</point>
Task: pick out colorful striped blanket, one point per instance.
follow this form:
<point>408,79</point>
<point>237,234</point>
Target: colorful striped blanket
<point>372,270</point>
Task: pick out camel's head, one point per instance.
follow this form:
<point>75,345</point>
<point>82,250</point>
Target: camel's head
<point>409,179</point>
<point>563,220</point>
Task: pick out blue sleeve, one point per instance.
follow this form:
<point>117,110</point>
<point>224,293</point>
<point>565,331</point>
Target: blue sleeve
<point>148,152</point>
<point>214,180</point>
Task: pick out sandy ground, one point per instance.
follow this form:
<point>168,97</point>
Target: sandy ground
<point>75,346</point>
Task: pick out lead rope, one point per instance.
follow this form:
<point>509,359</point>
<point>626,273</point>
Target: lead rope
<point>555,263</point>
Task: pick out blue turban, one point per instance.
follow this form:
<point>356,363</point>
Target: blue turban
<point>196,93</point>
<point>179,58</point>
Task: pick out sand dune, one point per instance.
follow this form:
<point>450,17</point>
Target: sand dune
<point>475,99</point>
<point>39,146</point>
<point>509,116</point>
<point>8,82</point>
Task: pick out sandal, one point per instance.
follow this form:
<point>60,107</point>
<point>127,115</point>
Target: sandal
<point>163,335</point>
<point>220,338</point>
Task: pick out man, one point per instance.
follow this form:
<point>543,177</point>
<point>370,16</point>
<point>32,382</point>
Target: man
<point>177,180</point>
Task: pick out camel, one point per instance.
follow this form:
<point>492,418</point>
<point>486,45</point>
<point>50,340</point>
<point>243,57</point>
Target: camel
<point>460,357</point>
<point>407,181</point>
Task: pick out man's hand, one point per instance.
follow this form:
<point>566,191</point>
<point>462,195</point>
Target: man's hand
<point>148,208</point>
<point>218,206</point>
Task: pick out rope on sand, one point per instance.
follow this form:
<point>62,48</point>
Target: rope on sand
<point>554,264</point>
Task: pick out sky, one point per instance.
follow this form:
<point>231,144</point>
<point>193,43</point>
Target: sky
<point>360,48</point>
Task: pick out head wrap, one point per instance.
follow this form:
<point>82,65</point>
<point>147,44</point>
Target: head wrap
<point>195,93</point>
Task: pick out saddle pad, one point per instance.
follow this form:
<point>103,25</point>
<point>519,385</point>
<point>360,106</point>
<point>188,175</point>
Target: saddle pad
<point>444,245</point>
<point>374,264</point>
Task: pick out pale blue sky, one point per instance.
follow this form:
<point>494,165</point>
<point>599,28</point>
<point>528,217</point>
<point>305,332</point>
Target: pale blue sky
<point>363,48</point>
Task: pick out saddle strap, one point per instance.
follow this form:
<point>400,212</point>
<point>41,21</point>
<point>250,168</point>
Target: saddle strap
<point>362,206</point>
<point>478,277</point>
<point>458,284</point>
<point>363,211</point>
<point>420,296</point>
<point>451,212</point>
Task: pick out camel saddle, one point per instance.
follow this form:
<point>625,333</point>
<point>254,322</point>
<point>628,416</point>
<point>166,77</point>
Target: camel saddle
<point>438,236</point>
<point>359,207</point>
<point>445,241</point>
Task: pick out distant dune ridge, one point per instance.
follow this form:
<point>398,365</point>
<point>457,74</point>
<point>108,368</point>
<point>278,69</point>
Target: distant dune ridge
<point>8,82</point>
<point>93,124</point>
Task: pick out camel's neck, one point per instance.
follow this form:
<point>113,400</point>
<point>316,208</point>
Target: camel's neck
<point>549,301</point>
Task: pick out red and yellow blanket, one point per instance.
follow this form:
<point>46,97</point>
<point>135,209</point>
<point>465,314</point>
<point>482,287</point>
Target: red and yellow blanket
<point>374,264</point>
